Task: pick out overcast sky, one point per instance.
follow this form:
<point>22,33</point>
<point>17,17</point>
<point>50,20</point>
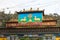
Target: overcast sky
<point>50,6</point>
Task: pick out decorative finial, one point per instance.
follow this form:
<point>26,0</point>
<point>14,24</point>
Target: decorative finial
<point>37,9</point>
<point>30,9</point>
<point>23,10</point>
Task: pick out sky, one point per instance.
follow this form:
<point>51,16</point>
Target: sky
<point>50,6</point>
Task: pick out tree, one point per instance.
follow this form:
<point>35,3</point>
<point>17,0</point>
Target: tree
<point>2,19</point>
<point>15,15</point>
<point>55,14</point>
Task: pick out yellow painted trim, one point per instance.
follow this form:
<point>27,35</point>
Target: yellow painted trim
<point>57,38</point>
<point>2,38</point>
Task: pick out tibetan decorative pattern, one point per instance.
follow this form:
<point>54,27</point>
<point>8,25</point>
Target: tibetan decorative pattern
<point>30,18</point>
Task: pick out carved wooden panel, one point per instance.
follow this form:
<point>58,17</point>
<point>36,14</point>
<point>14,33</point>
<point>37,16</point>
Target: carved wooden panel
<point>30,30</point>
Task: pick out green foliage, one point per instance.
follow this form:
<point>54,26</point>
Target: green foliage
<point>22,38</point>
<point>25,38</point>
<point>28,38</point>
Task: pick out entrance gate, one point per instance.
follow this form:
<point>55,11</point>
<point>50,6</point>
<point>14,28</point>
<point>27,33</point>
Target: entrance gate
<point>18,33</point>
